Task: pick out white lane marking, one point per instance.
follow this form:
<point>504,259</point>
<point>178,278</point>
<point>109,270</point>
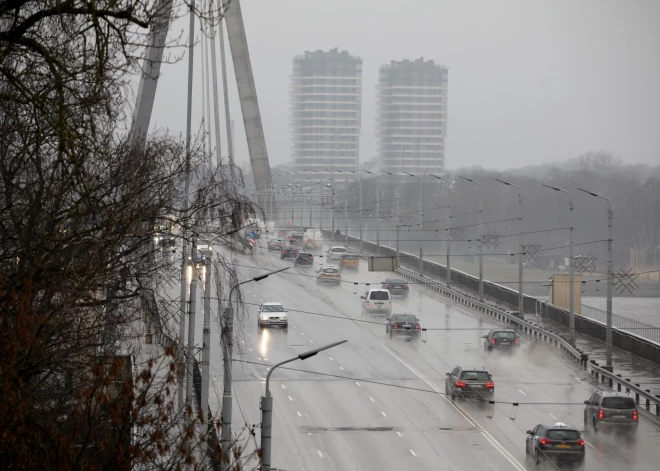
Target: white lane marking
<point>330,358</point>
<point>299,414</point>
<point>579,380</point>
<point>319,452</point>
<point>452,344</point>
<point>302,333</point>
<point>341,368</point>
<point>552,416</point>
<point>254,295</point>
<point>412,452</point>
<point>309,433</point>
<point>592,447</point>
<point>357,383</point>
<point>249,349</point>
<point>290,398</point>
<point>497,445</point>
<point>242,341</point>
<point>259,358</point>
<point>383,413</point>
<point>311,341</point>
<point>283,387</point>
<point>399,434</point>
<point>267,369</point>
<point>294,327</point>
<point>371,399</point>
<point>522,392</point>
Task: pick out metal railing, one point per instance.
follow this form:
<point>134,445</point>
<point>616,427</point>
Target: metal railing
<point>635,327</point>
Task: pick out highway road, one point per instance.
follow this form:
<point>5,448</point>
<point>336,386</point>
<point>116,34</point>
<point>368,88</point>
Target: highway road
<point>378,403</point>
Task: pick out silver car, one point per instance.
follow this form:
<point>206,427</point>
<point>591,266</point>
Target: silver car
<point>272,314</point>
<point>377,301</point>
<point>615,410</point>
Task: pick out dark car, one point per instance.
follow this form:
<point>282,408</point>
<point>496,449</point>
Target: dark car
<point>501,339</point>
<point>469,382</point>
<point>559,443</point>
<point>406,324</point>
<point>304,259</point>
<point>288,251</point>
<point>275,244</point>
<point>295,238</point>
<point>396,286</point>
<point>613,410</point>
<point>282,233</point>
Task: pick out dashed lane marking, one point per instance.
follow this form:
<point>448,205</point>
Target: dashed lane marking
<point>371,399</point>
<point>320,454</point>
<point>330,358</point>
<point>522,392</point>
<point>299,414</point>
<point>592,447</point>
<point>290,398</point>
<point>412,452</point>
<point>283,387</point>
<point>341,368</point>
<point>554,417</point>
<point>358,383</point>
<point>399,434</point>
<point>384,415</point>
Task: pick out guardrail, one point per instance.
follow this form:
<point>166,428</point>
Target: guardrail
<point>535,331</point>
<point>642,329</point>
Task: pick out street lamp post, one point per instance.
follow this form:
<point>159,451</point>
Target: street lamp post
<point>377,210</point>
<point>481,237</point>
<point>521,296</point>
<point>421,212</point>
<point>610,269</point>
<point>267,405</point>
<point>228,344</point>
<point>571,293</point>
<point>448,226</point>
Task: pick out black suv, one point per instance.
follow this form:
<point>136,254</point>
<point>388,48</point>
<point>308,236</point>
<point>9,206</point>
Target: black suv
<point>615,410</point>
<point>559,443</point>
<point>304,259</point>
<point>289,251</point>
<point>501,339</point>
<point>406,324</point>
<point>469,382</point>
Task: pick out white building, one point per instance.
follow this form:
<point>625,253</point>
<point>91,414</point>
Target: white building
<point>412,116</point>
<point>326,105</point>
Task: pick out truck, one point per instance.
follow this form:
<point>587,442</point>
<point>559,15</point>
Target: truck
<point>312,239</point>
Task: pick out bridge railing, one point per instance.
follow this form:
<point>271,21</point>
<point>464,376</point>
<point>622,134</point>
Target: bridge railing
<point>642,329</point>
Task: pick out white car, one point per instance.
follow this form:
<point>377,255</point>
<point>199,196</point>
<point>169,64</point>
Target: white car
<point>335,253</point>
<point>272,314</point>
<point>377,301</point>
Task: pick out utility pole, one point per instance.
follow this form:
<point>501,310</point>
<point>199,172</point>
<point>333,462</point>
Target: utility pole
<point>521,295</point>
<point>206,338</point>
<point>481,236</point>
<point>448,231</point>
<point>191,326</point>
<point>610,271</point>
<point>398,256</point>
<point>571,335</point>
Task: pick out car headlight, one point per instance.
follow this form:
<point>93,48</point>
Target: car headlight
<point>264,318</point>
<point>283,317</point>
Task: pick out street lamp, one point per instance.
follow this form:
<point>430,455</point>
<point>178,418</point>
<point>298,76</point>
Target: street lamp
<point>608,332</point>
<point>267,405</point>
<point>521,296</point>
<point>571,335</point>
<point>421,212</point>
<point>228,334</point>
<point>481,236</point>
<point>448,183</point>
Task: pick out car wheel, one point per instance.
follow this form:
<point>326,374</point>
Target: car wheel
<point>391,333</point>
<point>285,326</point>
<point>594,423</point>
<point>586,423</point>
<point>387,330</point>
<point>537,460</point>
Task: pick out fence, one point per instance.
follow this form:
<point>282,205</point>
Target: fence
<point>642,329</point>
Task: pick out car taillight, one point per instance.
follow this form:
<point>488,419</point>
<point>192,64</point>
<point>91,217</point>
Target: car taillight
<point>417,326</point>
<point>580,442</point>
<point>460,384</point>
<point>322,274</point>
<point>388,286</point>
<point>635,415</point>
<point>490,385</point>
<point>601,414</point>
<point>405,286</point>
<point>396,326</point>
<point>517,340</point>
<point>286,251</point>
<point>545,441</point>
<point>390,303</point>
<point>367,303</point>
<point>492,341</point>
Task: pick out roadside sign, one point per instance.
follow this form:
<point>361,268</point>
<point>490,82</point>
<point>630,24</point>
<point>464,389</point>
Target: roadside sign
<point>251,243</point>
<point>251,235</point>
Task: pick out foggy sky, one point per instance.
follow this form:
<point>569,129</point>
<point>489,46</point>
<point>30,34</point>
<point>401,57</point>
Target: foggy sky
<point>530,81</point>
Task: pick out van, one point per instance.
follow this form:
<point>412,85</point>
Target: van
<point>377,301</point>
<point>312,238</point>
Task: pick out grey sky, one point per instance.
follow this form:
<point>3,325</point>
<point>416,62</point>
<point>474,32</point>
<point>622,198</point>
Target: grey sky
<point>530,81</point>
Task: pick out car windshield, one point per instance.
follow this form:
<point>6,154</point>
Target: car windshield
<point>618,403</point>
<point>380,295</point>
<point>404,319</point>
<point>337,249</point>
<point>330,270</point>
<point>349,257</point>
<point>505,335</point>
<point>305,255</point>
<point>563,434</point>
<point>297,236</point>
<point>273,308</point>
<point>475,376</point>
